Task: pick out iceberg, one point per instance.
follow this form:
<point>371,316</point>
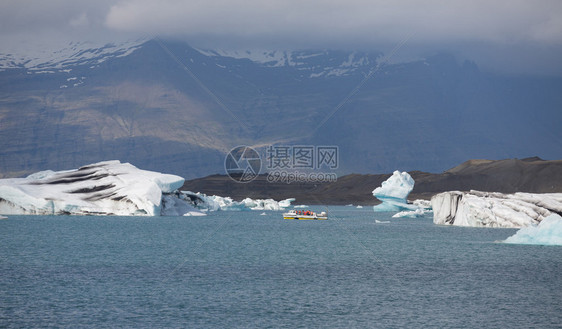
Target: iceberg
<point>397,186</point>
<point>215,202</point>
<point>267,204</point>
<point>548,232</point>
<point>420,212</point>
<point>410,213</point>
<point>423,207</point>
<point>493,209</point>
<point>104,188</point>
<point>394,192</point>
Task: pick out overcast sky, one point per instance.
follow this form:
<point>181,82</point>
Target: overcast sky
<point>512,35</point>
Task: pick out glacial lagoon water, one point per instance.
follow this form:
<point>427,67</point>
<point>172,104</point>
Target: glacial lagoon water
<point>246,270</point>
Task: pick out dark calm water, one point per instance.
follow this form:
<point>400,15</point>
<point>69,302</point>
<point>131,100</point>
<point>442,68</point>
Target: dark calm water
<point>240,269</point>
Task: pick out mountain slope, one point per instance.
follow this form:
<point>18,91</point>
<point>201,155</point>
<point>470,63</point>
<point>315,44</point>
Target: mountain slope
<point>506,176</point>
<point>166,106</point>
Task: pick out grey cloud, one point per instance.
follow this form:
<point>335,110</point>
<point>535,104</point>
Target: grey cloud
<point>432,21</point>
<point>480,28</point>
<point>57,15</point>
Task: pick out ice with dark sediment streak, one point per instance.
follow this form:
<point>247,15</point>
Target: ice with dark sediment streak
<point>493,209</point>
<point>104,188</point>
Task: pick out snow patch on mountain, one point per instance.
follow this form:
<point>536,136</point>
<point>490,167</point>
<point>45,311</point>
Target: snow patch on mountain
<point>54,58</point>
<point>268,58</point>
<point>319,64</point>
<point>47,58</point>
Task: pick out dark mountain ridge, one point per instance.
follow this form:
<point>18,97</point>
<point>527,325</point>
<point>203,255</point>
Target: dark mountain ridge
<point>507,176</point>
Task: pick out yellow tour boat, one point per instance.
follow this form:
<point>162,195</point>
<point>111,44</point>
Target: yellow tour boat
<point>304,215</point>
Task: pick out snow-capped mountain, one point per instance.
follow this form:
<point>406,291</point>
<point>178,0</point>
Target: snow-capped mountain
<point>169,107</point>
<point>316,64</point>
<point>50,60</point>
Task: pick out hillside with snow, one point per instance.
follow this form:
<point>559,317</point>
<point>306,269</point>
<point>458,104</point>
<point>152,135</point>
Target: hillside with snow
<point>167,106</point>
<point>316,64</point>
<point>53,58</point>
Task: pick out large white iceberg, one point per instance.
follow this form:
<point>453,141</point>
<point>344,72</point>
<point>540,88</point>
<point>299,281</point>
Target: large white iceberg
<point>394,192</point>
<point>215,202</point>
<point>492,209</point>
<point>397,186</point>
<point>104,188</point>
<point>548,232</point>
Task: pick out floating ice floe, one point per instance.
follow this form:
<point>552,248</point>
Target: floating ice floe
<point>215,202</point>
<point>547,232</point>
<point>423,207</point>
<point>104,188</point>
<point>409,213</point>
<point>493,209</point>
<point>194,213</point>
<point>394,192</point>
